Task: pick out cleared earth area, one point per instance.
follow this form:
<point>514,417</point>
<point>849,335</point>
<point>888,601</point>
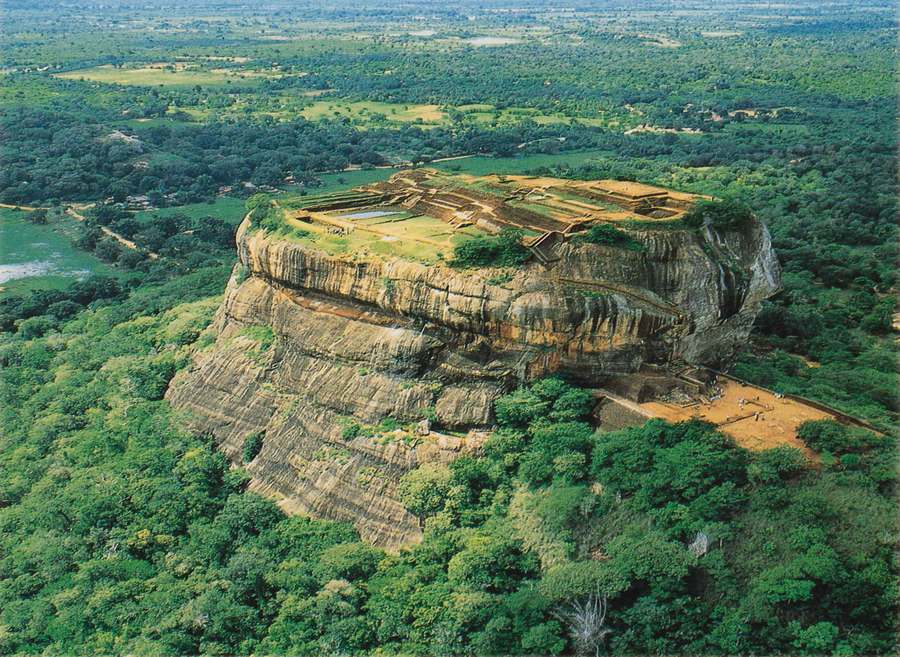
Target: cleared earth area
<point>755,417</point>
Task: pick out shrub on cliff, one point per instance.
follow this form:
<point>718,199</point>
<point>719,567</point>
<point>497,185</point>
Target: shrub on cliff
<point>718,213</point>
<point>264,213</point>
<point>611,236</point>
<point>252,446</point>
<point>503,250</point>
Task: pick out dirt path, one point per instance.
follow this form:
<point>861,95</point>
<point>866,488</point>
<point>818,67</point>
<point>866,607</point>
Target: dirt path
<point>453,157</point>
<point>25,208</point>
<point>127,243</point>
<point>73,211</point>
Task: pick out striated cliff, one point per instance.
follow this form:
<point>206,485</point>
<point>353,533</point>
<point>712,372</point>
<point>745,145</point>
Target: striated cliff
<point>316,350</point>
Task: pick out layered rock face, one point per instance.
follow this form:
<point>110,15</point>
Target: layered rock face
<point>316,350</point>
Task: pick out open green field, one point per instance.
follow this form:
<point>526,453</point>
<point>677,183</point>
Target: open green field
<point>361,113</point>
<point>165,75</point>
<point>40,256</point>
<point>374,112</point>
<point>227,208</point>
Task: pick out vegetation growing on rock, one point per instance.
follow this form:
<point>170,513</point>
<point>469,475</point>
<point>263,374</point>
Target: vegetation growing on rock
<point>503,250</point>
<point>719,213</point>
<point>252,446</point>
<point>264,213</point>
<point>609,235</point>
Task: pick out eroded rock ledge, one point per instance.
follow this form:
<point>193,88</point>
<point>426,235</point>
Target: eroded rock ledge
<point>316,350</point>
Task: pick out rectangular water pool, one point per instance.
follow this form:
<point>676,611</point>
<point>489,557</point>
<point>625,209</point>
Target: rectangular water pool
<point>369,214</point>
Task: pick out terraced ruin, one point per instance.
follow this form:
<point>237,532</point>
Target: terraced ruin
<point>425,213</point>
<point>351,343</point>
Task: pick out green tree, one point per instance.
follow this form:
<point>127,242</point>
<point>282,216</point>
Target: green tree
<point>424,490</point>
<point>719,213</point>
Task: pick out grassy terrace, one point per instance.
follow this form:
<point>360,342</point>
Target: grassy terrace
<point>349,197</point>
<point>414,237</point>
<point>439,211</point>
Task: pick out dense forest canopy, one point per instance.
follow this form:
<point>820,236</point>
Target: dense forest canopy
<point>134,126</point>
<point>141,539</point>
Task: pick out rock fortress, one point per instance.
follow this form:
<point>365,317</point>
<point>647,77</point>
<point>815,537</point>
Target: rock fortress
<point>350,341</point>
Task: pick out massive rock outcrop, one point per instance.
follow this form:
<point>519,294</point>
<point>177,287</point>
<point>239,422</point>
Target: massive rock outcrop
<point>316,350</point>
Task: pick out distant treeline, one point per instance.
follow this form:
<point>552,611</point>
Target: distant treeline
<point>50,155</point>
